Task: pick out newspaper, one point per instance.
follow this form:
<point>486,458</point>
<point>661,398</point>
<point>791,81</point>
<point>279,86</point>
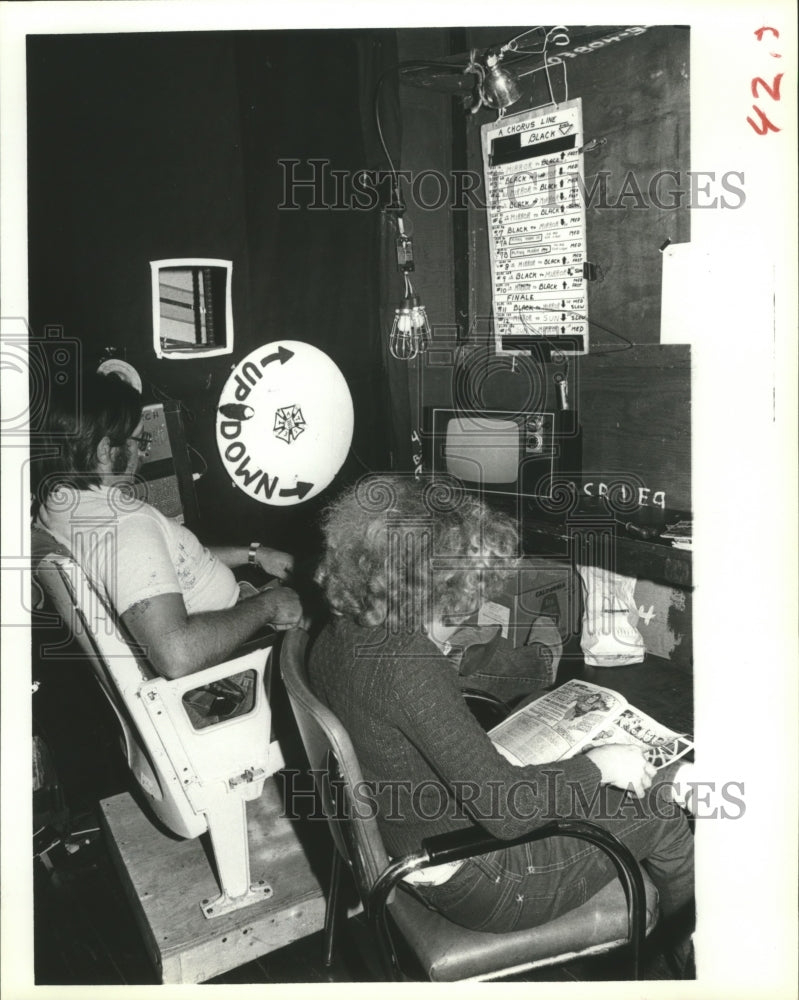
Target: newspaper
<point>578,716</point>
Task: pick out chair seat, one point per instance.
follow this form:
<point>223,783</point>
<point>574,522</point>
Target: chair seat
<point>446,951</point>
<point>449,953</point>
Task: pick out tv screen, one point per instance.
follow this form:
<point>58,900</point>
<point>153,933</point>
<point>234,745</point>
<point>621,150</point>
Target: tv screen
<point>482,450</point>
<point>494,451</point>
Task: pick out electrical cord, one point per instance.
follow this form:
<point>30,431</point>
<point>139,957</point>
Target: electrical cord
<point>555,61</point>
<point>408,64</point>
<point>628,344</point>
<point>584,318</point>
<point>513,44</point>
<point>198,475</point>
<point>559,35</point>
<point>546,67</point>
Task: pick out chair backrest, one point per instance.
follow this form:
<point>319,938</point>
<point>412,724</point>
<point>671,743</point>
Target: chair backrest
<point>180,769</point>
<point>335,768</point>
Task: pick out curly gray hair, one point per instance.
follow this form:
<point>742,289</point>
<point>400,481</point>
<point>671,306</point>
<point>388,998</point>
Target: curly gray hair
<point>397,547</point>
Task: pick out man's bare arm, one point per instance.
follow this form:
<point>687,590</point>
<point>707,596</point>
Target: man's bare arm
<point>177,643</point>
<point>272,561</point>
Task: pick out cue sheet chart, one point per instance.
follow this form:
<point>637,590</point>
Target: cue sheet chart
<point>533,165</point>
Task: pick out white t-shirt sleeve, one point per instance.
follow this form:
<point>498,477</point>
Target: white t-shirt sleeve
<point>145,566</point>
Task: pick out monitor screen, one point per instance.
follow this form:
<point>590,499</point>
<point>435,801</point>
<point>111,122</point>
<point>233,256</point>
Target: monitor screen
<point>494,451</point>
<point>482,450</point>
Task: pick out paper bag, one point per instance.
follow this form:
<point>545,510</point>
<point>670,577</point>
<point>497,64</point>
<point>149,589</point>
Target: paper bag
<point>610,636</point>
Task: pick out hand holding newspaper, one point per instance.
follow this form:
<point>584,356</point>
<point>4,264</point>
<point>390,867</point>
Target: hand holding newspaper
<point>578,716</point>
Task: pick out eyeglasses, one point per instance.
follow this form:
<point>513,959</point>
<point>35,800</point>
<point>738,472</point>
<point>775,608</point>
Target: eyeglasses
<point>143,441</point>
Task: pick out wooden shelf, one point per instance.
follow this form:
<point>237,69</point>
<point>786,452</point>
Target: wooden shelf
<point>649,560</point>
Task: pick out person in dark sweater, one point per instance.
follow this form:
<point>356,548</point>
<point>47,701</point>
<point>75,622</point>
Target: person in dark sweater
<point>404,563</point>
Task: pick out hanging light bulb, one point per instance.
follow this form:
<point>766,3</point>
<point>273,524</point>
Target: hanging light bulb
<point>497,86</point>
<point>410,331</point>
<point>500,85</point>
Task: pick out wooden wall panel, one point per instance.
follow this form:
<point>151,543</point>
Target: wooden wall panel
<point>634,404</point>
<point>635,410</point>
<point>636,98</point>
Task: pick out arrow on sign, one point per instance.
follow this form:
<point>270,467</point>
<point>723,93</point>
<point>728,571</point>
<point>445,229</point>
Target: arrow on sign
<point>299,491</point>
<point>236,411</point>
<point>282,354</point>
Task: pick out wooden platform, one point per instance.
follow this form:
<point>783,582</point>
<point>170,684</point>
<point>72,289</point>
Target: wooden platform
<point>166,878</point>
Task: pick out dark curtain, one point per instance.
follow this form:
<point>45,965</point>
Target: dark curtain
<point>380,97</point>
<point>339,285</point>
<point>143,147</point>
<point>315,267</point>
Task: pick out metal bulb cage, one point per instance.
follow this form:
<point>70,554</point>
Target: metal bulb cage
<point>410,331</point>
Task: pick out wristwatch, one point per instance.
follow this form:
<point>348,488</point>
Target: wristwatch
<point>254,546</point>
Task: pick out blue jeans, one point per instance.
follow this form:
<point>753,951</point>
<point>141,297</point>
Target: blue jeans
<point>529,884</point>
<point>486,663</point>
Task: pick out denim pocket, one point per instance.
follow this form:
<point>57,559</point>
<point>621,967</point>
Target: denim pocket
<point>538,905</point>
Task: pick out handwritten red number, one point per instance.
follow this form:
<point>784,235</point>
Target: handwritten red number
<point>773,91</point>
<point>765,124</point>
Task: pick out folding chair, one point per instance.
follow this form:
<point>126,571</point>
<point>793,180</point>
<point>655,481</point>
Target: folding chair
<point>621,913</point>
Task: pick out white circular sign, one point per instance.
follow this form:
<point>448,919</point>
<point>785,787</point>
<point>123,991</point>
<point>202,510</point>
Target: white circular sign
<point>284,423</point>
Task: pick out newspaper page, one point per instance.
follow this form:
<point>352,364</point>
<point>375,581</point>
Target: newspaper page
<point>661,745</point>
<point>578,716</point>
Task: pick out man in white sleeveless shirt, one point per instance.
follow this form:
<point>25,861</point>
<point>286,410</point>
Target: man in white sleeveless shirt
<point>177,598</point>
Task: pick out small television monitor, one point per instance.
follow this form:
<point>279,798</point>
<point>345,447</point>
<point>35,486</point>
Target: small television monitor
<point>495,451</point>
